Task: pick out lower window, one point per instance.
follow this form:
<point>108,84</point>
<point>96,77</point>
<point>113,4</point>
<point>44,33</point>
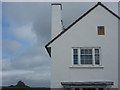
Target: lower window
<point>86,56</point>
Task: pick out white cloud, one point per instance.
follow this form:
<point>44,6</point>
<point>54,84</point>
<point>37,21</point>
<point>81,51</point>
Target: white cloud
<point>6,64</point>
<point>15,72</point>
<point>35,56</point>
<point>11,46</point>
<point>24,32</point>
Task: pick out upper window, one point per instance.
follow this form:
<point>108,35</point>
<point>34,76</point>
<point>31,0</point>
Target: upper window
<point>86,56</point>
<point>101,30</point>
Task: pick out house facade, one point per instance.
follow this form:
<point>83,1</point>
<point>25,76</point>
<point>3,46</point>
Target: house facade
<point>84,56</point>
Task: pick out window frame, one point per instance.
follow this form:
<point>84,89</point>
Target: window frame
<point>93,57</point>
<point>75,54</point>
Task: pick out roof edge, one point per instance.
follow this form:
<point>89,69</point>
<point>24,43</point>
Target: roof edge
<point>47,50</point>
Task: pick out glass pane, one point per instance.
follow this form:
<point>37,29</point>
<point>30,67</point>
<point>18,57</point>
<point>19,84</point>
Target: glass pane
<point>75,61</point>
<point>90,51</point>
<point>90,57</point>
<point>96,50</point>
<point>97,62</point>
<point>82,51</point>
<point>82,57</point>
<point>75,57</point>
<point>88,61</point>
<point>86,57</point>
<point>82,61</point>
<point>86,51</point>
<point>97,57</point>
<point>75,51</point>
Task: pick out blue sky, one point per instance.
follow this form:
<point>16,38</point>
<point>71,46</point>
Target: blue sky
<point>26,28</point>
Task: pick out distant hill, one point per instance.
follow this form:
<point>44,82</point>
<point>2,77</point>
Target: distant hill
<point>20,84</point>
<point>23,88</point>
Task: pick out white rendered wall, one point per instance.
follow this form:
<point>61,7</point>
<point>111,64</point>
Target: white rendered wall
<point>56,20</point>
<point>84,34</point>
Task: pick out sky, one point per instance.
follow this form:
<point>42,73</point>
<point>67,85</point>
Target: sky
<point>26,28</point>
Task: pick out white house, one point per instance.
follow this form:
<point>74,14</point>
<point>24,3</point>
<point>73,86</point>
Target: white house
<point>84,56</point>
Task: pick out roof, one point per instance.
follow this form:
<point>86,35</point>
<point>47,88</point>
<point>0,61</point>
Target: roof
<point>99,3</point>
<point>101,83</point>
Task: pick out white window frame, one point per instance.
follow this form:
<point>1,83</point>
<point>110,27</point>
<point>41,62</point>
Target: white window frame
<point>93,55</point>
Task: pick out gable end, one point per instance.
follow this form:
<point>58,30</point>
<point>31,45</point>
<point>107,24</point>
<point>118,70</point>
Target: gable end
<point>99,3</point>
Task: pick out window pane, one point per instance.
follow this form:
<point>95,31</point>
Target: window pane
<point>75,58</point>
<point>90,51</point>
<point>82,51</point>
<point>90,57</point>
<point>86,57</point>
<point>97,59</point>
<point>82,57</point>
<point>82,61</point>
<point>97,62</point>
<point>75,61</point>
<point>75,51</point>
<point>96,50</point>
<point>88,61</point>
<point>86,51</point>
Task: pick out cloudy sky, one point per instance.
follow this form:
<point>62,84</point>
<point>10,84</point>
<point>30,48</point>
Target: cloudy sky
<point>26,28</point>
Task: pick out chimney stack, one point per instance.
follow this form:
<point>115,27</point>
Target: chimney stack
<point>56,27</point>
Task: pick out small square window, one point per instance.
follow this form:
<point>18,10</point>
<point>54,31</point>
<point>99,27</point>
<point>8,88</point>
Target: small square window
<point>101,30</point>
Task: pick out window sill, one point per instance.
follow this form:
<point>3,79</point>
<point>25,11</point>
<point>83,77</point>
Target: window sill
<point>86,66</point>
